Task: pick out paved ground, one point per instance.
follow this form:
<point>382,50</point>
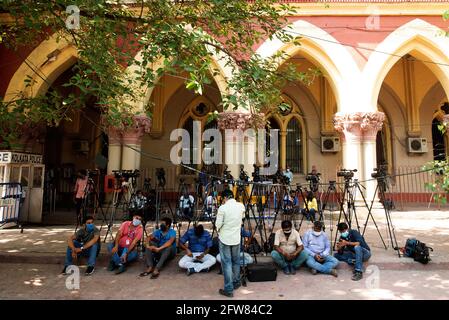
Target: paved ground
<point>31,263</point>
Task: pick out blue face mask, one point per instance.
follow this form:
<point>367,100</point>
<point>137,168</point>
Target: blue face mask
<point>345,234</point>
<point>136,222</point>
<point>90,227</point>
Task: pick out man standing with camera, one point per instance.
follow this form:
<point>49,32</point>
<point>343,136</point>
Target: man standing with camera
<point>353,249</point>
<point>228,223</point>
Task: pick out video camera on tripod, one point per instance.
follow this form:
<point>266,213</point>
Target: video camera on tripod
<point>279,177</point>
<point>227,176</point>
<point>256,173</point>
<point>126,174</point>
<point>243,176</point>
<point>381,175</point>
<point>346,173</point>
<point>92,173</point>
<point>313,179</point>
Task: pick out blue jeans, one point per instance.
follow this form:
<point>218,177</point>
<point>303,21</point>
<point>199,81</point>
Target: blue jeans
<point>360,255</point>
<point>279,259</point>
<point>311,213</point>
<point>91,253</point>
<point>325,267</point>
<point>230,265</point>
<point>116,256</point>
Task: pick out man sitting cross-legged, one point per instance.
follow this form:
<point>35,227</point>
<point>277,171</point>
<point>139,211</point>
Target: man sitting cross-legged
<point>288,250</point>
<point>197,256</point>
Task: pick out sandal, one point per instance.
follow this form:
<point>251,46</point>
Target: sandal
<point>144,274</point>
<point>155,275</point>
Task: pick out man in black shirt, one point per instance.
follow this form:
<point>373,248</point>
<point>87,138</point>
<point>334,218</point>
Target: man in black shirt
<point>84,242</point>
<point>353,249</point>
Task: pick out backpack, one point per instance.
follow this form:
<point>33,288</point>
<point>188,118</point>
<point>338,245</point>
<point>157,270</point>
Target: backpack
<point>417,250</point>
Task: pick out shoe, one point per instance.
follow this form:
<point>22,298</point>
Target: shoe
<point>292,270</point>
<point>226,294</point>
<point>190,271</point>
<point>205,270</point>
<point>286,270</point>
<point>236,286</point>
<point>357,276</point>
<point>334,273</point>
<point>111,266</point>
<point>64,271</point>
<point>313,271</point>
<point>89,270</point>
<point>121,269</point>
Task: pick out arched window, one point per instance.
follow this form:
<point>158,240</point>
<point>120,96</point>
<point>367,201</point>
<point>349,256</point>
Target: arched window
<point>439,147</point>
<point>273,125</point>
<point>294,143</point>
<point>214,167</point>
<point>381,147</point>
<point>188,126</point>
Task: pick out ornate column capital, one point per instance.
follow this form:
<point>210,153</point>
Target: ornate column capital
<point>130,133</point>
<point>358,126</point>
<point>240,120</point>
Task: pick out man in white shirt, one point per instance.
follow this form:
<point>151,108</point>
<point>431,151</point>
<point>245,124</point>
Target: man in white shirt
<point>288,250</point>
<point>186,203</point>
<point>228,223</point>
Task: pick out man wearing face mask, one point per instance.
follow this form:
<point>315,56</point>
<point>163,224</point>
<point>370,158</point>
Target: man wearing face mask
<point>197,256</point>
<point>85,242</point>
<point>289,174</point>
<point>317,245</point>
<point>161,248</point>
<point>288,250</point>
<point>353,249</point>
<point>124,249</point>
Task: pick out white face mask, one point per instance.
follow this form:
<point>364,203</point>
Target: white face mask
<point>317,233</point>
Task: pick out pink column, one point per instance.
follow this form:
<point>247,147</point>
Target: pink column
<point>359,143</point>
<point>132,142</point>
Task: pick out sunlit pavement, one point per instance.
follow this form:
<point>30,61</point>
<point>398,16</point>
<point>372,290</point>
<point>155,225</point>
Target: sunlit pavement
<point>32,262</point>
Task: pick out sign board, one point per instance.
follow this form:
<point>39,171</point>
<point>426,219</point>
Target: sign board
<point>16,157</point>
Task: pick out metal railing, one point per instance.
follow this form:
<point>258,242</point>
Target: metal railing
<point>10,200</point>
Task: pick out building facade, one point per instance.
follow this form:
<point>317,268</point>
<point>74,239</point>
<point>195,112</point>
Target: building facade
<point>380,96</point>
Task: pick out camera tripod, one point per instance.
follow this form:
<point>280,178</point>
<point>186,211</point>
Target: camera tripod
<point>381,187</point>
<point>348,197</point>
<point>123,193</point>
<point>90,197</point>
<point>300,190</point>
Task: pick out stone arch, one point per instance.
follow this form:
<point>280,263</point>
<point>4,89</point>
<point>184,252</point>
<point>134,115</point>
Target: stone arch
<point>417,38</point>
<point>65,56</point>
<point>323,50</point>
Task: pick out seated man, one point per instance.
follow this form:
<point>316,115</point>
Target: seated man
<point>317,245</point>
<point>84,242</point>
<point>124,249</point>
<point>245,258</point>
<point>312,207</point>
<point>160,248</point>
<point>288,250</point>
<point>353,249</point>
<point>197,256</point>
<point>186,203</point>
<point>290,202</point>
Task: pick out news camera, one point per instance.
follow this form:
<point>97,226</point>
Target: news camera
<point>227,176</point>
<point>243,176</point>
<point>256,173</point>
<point>346,174</point>
<point>126,174</point>
<point>92,173</point>
<point>314,180</point>
<point>380,172</point>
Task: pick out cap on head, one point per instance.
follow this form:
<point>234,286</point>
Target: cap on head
<point>342,226</point>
